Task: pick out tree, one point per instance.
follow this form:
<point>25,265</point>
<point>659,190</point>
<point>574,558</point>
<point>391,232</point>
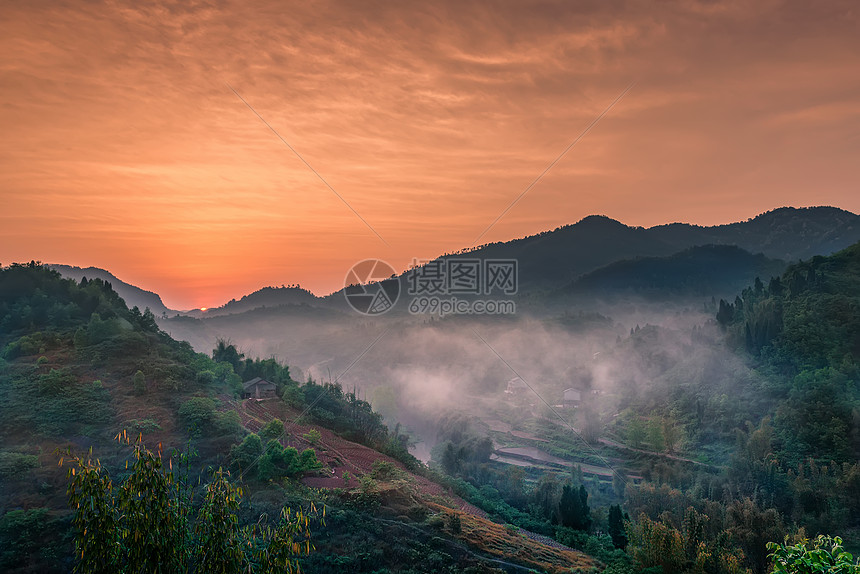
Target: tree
<point>225,352</point>
<point>655,436</point>
<point>247,452</point>
<point>139,383</point>
<point>671,434</point>
<point>146,523</point>
<point>573,507</point>
<point>272,431</point>
<point>751,528</point>
<point>197,412</point>
<point>616,527</point>
<point>636,432</point>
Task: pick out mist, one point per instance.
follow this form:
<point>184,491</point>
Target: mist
<point>416,369</point>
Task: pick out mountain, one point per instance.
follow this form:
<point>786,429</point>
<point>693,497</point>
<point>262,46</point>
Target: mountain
<point>133,296</point>
<point>265,297</point>
<point>707,270</point>
<point>555,258</point>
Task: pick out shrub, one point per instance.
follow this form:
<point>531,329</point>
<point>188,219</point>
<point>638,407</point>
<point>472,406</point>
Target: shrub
<point>384,470</point>
<point>197,412</point>
<point>824,554</point>
<point>313,436</point>
<point>454,523</point>
<point>12,464</point>
<point>139,383</point>
<point>245,453</point>
<point>272,431</point>
<point>226,423</point>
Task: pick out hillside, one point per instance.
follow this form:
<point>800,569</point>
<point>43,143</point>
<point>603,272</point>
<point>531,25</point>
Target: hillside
<point>265,297</point>
<point>132,295</point>
<point>702,271</point>
<point>92,367</point>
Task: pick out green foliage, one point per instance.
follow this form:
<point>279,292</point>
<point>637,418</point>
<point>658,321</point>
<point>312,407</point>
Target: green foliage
<point>384,470</point>
<point>146,523</point>
<point>29,538</point>
<point>142,426</point>
<point>616,527</point>
<point>279,461</point>
<point>454,523</point>
<point>246,453</point>
<point>273,430</point>
<point>217,532</point>
<point>197,412</point>
<point>226,423</point>
<point>68,406</point>
<point>656,439</point>
<point>14,464</point>
<point>313,436</point>
<point>823,555</point>
<point>573,508</point>
<point>225,352</point>
<point>667,549</point>
<point>139,383</point>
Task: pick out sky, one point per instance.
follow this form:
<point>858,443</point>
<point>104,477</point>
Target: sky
<point>203,150</point>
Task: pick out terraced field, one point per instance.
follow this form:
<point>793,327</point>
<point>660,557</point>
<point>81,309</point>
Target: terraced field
<point>340,455</point>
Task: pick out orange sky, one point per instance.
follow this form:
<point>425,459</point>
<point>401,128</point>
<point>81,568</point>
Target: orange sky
<point>123,147</point>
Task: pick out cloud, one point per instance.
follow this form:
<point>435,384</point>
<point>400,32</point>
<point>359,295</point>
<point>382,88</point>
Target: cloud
<point>428,118</point>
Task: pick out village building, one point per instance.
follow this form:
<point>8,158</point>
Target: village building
<point>571,398</point>
<point>516,386</point>
<point>258,388</point>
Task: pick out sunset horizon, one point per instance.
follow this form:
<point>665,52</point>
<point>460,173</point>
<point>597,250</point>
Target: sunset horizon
<point>332,283</point>
<point>205,150</point>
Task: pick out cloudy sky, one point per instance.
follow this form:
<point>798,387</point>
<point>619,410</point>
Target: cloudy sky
<point>123,145</point>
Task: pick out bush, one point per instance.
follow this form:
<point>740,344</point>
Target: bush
<point>384,470</point>
<point>245,453</point>
<point>226,423</point>
<point>197,412</point>
<point>21,536</point>
<point>824,554</point>
<point>139,383</point>
<point>13,464</point>
<point>143,426</point>
<point>313,436</point>
<point>272,431</point>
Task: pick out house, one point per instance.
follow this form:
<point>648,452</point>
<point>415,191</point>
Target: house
<point>258,388</point>
<point>516,386</point>
<point>571,397</point>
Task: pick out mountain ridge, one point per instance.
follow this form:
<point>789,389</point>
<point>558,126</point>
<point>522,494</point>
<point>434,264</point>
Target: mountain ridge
<point>552,259</point>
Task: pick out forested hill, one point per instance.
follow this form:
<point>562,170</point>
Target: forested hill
<point>804,328</point>
<point>555,258</point>
<point>265,297</point>
<point>698,271</point>
<point>132,295</point>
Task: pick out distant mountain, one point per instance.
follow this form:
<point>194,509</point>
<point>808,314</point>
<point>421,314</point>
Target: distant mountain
<point>133,296</point>
<point>555,258</point>
<point>265,297</point>
<point>787,233</point>
<point>721,270</point>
